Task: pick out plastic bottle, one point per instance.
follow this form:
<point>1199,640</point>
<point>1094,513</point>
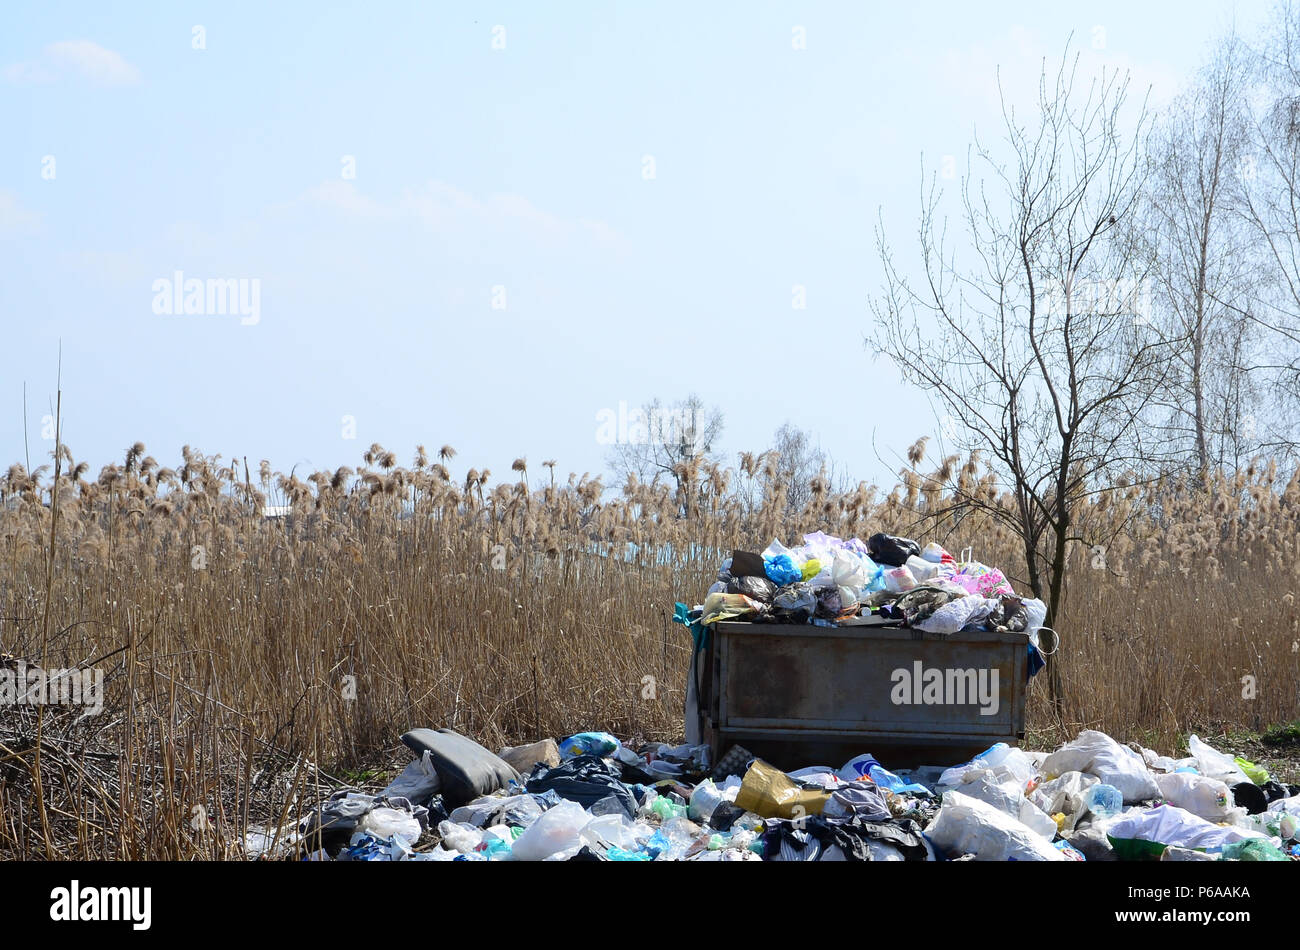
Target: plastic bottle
<point>1104,800</point>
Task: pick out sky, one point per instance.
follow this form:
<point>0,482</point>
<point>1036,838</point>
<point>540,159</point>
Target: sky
<point>483,225</point>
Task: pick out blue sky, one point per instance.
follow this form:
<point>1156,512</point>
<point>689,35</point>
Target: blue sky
<point>482,174</point>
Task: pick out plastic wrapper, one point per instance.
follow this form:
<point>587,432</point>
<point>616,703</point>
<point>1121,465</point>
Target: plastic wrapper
<point>731,607</point>
<point>983,580</point>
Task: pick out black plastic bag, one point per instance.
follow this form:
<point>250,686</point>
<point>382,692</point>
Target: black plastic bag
<point>887,549</point>
<point>586,779</point>
<point>759,588</point>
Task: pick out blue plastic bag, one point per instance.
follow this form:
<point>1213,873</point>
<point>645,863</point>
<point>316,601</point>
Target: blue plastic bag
<point>589,743</point>
<point>782,570</point>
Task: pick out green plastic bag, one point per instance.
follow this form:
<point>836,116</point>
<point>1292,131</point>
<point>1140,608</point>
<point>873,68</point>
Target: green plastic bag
<point>1252,849</point>
<point>1253,772</point>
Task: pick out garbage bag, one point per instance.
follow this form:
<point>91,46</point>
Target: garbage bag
<point>966,825</point>
<point>936,554</point>
<point>769,792</point>
<point>982,580</point>
<point>835,603</point>
<point>465,768</point>
<point>1016,761</point>
<point>1215,764</point>
<point>617,831</point>
<point>1255,773</point>
<point>1098,754</point>
<point>1145,832</point>
<point>868,767</point>
<point>1205,797</point>
<point>589,743</point>
<point>556,835</point>
<point>1000,789</point>
<point>746,564</point>
<point>782,569</point>
<point>852,570</point>
<point>957,615</point>
<point>458,837</point>
<point>795,603</point>
<point>863,799</point>
<point>898,580</point>
<point>384,822</point>
<point>887,549</point>
<point>756,588</point>
<point>922,569</point>
<point>586,780</point>
<point>336,819</point>
<point>1065,795</point>
<point>1250,797</point>
<point>1252,851</point>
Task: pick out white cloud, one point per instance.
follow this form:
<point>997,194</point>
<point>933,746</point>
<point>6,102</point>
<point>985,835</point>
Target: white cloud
<point>82,58</point>
<point>14,218</point>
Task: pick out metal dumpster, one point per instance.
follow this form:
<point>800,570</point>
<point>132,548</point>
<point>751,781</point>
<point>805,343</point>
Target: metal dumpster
<point>799,695</point>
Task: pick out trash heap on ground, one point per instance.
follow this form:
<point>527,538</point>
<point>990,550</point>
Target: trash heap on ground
<point>591,797</point>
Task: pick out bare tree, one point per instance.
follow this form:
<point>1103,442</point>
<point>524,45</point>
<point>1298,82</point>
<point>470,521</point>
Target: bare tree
<point>670,443</point>
<point>1271,207</point>
<point>1202,255</point>
<point>798,460</point>
<point>1035,346</point>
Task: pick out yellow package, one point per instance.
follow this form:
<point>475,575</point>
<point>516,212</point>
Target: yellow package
<point>769,792</point>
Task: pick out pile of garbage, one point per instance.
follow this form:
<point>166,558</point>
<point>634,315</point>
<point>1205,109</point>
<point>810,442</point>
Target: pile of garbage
<point>592,797</point>
<point>827,580</point>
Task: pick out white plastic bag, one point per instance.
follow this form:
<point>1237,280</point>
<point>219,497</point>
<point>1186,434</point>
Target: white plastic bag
<point>705,799</point>
<point>1214,763</point>
<point>934,552</point>
<point>1098,754</point>
<point>557,832</point>
<point>1065,794</point>
<point>898,579</point>
<point>967,825</point>
<point>616,831</point>
<point>922,569</point>
<point>458,837</point>
<point>999,788</point>
<point>417,782</point>
<point>1171,825</point>
<point>385,822</point>
<point>1018,762</point>
<point>1205,797</point>
<point>850,570</point>
<point>956,614</point>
